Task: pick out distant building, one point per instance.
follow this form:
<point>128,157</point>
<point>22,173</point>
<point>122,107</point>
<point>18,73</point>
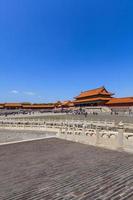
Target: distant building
<point>95,97</point>
<point>121,102</point>
<point>39,106</point>
<point>66,104</point>
<point>12,106</point>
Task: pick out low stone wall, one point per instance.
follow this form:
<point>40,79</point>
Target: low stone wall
<point>117,140</point>
<point>102,134</point>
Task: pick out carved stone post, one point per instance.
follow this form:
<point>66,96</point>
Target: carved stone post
<point>97,136</point>
<point>84,139</point>
<point>59,132</point>
<point>84,128</point>
<point>120,136</point>
<point>45,125</point>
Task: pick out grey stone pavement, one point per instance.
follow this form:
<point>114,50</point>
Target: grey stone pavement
<point>54,169</point>
<point>23,135</point>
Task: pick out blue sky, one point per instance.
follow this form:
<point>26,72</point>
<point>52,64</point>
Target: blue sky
<point>54,49</point>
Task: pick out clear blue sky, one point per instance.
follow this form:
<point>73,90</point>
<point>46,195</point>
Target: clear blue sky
<point>54,49</point>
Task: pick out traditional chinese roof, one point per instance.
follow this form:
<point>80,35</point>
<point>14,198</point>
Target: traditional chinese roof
<point>91,100</point>
<point>26,106</point>
<point>1,106</point>
<point>39,106</point>
<point>66,104</point>
<point>12,104</point>
<point>71,104</point>
<point>120,100</point>
<point>94,92</point>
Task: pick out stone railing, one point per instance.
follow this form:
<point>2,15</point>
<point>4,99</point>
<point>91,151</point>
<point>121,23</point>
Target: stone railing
<point>102,134</point>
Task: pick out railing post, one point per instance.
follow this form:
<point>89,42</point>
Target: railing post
<point>59,131</point>
<point>97,136</point>
<point>73,128</point>
<point>45,125</point>
<point>67,130</point>
<point>83,129</point>
<point>120,136</point>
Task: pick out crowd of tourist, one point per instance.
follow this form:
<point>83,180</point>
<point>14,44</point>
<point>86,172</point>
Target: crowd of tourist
<point>77,111</point>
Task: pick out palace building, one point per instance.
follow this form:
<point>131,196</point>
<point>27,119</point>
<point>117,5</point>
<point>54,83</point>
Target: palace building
<point>39,106</point>
<point>66,104</point>
<point>12,105</point>
<point>95,97</point>
<point>26,106</point>
<point>121,102</point>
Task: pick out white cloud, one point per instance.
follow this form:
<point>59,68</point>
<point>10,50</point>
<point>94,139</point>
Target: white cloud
<point>30,93</point>
<point>26,93</point>
<point>14,91</point>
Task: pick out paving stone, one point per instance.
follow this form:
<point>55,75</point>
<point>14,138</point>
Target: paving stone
<point>54,169</point>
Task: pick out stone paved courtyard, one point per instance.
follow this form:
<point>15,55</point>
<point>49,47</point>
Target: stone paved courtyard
<point>53,169</point>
